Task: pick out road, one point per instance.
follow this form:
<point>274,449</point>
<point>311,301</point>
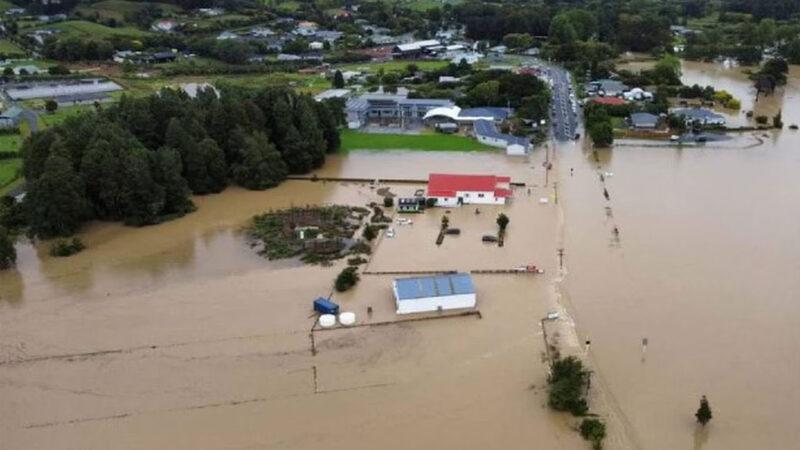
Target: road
<point>563,109</point>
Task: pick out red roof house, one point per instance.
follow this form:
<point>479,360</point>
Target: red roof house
<point>610,101</point>
<point>455,190</point>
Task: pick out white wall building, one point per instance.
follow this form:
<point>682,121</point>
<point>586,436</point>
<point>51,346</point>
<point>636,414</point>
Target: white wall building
<point>434,293</point>
<point>457,190</point>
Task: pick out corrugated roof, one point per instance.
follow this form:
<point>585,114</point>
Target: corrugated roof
<point>488,129</point>
<point>434,286</point>
<point>446,185</point>
<point>489,111</point>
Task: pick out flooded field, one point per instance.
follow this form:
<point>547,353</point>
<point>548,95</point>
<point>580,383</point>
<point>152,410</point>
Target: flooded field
<point>705,269</point>
<point>179,336</point>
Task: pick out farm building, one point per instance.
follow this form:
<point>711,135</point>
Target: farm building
<point>457,190</point>
<point>434,293</point>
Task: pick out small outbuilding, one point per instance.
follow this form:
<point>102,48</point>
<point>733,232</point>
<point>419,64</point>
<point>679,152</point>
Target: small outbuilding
<point>434,293</point>
<point>644,121</point>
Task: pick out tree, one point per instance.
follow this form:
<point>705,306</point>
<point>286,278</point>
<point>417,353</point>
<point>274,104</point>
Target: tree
<point>261,165</point>
<point>502,221</point>
<point>703,413</point>
<point>667,70</point>
<point>567,382</point>
<point>51,105</point>
<point>55,201</point>
<point>8,254</point>
<point>388,202</point>
<point>8,71</point>
<point>346,279</point>
<point>338,79</point>
<point>594,431</point>
<point>602,133</point>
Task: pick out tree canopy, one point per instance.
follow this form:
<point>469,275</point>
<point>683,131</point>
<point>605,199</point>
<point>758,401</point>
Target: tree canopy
<point>139,161</point>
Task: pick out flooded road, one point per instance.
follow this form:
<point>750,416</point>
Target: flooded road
<point>705,268</point>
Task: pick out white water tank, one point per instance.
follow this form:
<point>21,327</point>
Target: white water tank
<point>327,320</point>
<point>347,318</point>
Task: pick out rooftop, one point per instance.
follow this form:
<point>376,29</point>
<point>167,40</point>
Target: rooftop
<point>434,286</point>
<point>447,185</point>
<point>610,101</point>
<point>489,129</point>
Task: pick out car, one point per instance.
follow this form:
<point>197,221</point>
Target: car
<point>390,233</point>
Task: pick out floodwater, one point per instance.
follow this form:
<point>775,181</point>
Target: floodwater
<point>705,268</point>
<point>179,336</point>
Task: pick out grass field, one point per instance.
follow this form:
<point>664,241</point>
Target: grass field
<point>9,48</point>
<point>394,66</point>
<point>61,114</point>
<point>9,171</point>
<point>118,9</point>
<point>4,5</point>
<point>10,142</point>
<point>84,29</point>
<point>302,83</point>
<point>354,140</point>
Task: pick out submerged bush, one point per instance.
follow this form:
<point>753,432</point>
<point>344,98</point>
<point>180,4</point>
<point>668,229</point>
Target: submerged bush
<point>64,247</point>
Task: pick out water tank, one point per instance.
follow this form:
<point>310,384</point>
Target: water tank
<point>327,320</point>
<point>347,318</point>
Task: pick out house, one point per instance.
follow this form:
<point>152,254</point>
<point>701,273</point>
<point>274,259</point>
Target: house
<point>395,109</point>
<point>332,93</point>
<point>261,32</point>
<point>434,293</point>
<point>316,45</point>
<point>468,57</point>
<point>410,204</point>
<point>306,28</point>
<point>700,116</point>
<point>28,70</point>
<point>637,94</point>
<point>289,57</point>
<point>456,190</point>
<point>10,117</point>
<point>415,49</point>
<point>498,50</point>
<point>211,12</point>
<point>226,35</point>
<point>164,26</point>
<point>609,101</point>
<point>606,88</point>
<point>644,121</point>
<point>444,79</point>
<point>328,36</point>
<point>486,133</point>
<point>15,11</point>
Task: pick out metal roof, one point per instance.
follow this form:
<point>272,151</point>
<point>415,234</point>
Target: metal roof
<point>488,129</point>
<point>643,118</point>
<point>433,286</point>
<point>487,111</point>
<point>448,185</point>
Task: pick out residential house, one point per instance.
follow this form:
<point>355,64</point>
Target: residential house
<point>644,121</point>
<point>11,117</point>
<point>451,190</point>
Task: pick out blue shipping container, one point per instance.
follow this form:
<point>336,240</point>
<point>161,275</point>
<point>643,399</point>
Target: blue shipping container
<point>325,306</point>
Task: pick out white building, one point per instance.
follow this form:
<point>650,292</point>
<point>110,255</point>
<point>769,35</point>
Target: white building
<point>457,190</point>
<point>434,293</point>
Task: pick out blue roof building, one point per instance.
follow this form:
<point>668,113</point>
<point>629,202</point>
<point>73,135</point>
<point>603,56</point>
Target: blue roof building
<point>486,132</point>
<point>434,293</point>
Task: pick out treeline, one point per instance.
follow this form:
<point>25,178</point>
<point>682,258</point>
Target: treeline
<point>527,94</point>
<point>139,160</point>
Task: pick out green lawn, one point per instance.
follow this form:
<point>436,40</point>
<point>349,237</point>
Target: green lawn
<point>48,120</point>
<point>302,83</point>
<point>118,9</point>
<point>9,48</point>
<point>10,142</point>
<point>9,170</point>
<point>395,66</point>
<point>5,4</point>
<point>84,29</point>
<point>354,140</point>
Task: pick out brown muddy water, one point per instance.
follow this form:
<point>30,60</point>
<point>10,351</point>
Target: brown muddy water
<point>179,336</point>
<point>705,268</point>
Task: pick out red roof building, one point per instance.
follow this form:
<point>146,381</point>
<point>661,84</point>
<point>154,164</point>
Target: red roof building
<point>455,190</point>
<point>609,101</point>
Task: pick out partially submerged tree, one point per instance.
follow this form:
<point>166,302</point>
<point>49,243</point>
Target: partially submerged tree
<point>8,255</point>
<point>594,431</point>
<point>346,279</point>
<point>703,413</point>
<point>502,221</point>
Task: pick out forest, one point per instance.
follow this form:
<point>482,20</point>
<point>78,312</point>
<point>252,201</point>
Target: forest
<point>139,160</point>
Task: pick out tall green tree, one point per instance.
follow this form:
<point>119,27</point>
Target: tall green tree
<point>56,200</point>
<point>703,413</point>
<point>261,166</point>
<point>8,254</point>
<point>338,79</point>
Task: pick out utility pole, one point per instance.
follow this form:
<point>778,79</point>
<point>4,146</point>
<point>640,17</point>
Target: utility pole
<point>561,258</point>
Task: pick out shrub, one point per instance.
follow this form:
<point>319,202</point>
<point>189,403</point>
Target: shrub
<point>63,247</point>
<point>346,279</point>
<point>430,202</point>
<point>594,431</point>
<point>761,120</point>
<point>370,232</point>
<point>388,202</point>
<point>567,383</point>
